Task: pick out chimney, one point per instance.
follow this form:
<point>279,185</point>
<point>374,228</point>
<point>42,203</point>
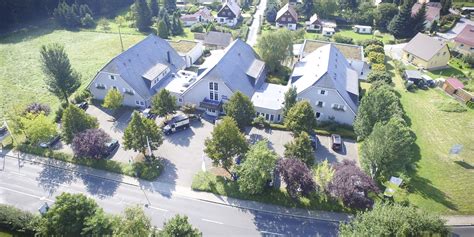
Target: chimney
<point>168,57</point>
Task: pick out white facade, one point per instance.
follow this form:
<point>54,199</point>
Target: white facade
<point>289,26</point>
<point>204,89</point>
<point>227,21</point>
<point>328,31</point>
<point>362,29</point>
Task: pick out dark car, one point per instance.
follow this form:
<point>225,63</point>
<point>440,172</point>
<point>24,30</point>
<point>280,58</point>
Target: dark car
<point>84,105</point>
<point>111,146</point>
<point>50,143</point>
<point>314,141</point>
<point>3,129</point>
<point>148,114</point>
<point>336,142</point>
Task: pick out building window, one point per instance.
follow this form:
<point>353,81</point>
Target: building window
<point>271,117</point>
<point>278,117</point>
<point>320,104</point>
<point>211,86</point>
<point>213,91</point>
<point>112,77</point>
<point>266,116</point>
<point>137,102</point>
<point>211,95</point>
<point>258,114</point>
<point>318,115</point>
<point>338,107</point>
<point>322,92</point>
<point>180,100</point>
<point>100,86</point>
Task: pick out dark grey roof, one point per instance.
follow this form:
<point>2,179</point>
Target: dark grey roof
<point>414,74</point>
<point>424,46</point>
<point>233,6</point>
<point>218,38</point>
<point>256,68</point>
<point>287,8</point>
<point>144,60</point>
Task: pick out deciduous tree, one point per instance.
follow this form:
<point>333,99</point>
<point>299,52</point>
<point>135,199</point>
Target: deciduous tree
<point>164,103</point>
<point>141,133</point>
<point>100,224</point>
<point>297,177</point>
<point>113,99</point>
<point>256,169</point>
<point>134,222</point>
<point>394,220</point>
<point>38,127</point>
<point>74,121</point>
<point>61,79</point>
<point>179,226</point>
<point>301,118</point>
<point>90,143</point>
<point>241,109</point>
<point>290,100</point>
<point>352,185</point>
<point>226,143</point>
<point>300,148</point>
<point>379,76</point>
<point>307,8</point>
<point>275,47</point>
<point>323,174</point>
<point>384,14</point>
<point>37,108</point>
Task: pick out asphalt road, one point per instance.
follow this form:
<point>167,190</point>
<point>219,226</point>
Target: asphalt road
<point>253,30</point>
<point>31,185</point>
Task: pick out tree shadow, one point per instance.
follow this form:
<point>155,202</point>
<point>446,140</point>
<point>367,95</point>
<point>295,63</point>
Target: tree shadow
<point>181,138</point>
<point>166,183</point>
<point>51,177</point>
<point>99,186</point>
<point>28,32</point>
<point>464,164</point>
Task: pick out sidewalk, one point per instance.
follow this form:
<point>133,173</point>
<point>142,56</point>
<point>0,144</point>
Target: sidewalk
<point>181,191</point>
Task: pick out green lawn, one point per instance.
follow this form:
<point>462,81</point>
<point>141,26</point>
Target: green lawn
<point>22,80</point>
<point>359,37</point>
<point>456,68</point>
<point>443,182</point>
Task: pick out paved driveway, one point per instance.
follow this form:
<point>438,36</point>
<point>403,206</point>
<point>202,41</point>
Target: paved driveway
<point>394,50</point>
<point>257,19</point>
<point>277,139</point>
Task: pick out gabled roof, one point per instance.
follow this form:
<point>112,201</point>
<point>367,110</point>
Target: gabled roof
<point>314,19</point>
<point>233,67</point>
<point>328,68</point>
<point>466,36</point>
<point>218,38</point>
<point>432,11</point>
<point>233,6</point>
<point>455,83</point>
<point>424,46</point>
<point>142,61</point>
<point>205,13</point>
<point>287,8</point>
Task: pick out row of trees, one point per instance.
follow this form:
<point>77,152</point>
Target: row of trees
<point>74,15</point>
<point>147,13</point>
<point>78,215</point>
<point>399,25</point>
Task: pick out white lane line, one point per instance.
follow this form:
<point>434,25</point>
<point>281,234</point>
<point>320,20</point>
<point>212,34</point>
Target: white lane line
<point>270,233</point>
<point>215,222</point>
<point>27,194</point>
<point>159,209</point>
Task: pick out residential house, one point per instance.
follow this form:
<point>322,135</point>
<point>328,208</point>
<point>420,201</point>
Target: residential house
<point>237,68</point>
<point>362,29</point>
<point>329,27</point>
<point>293,2</point>
<point>203,15</point>
<point>287,17</point>
<point>191,51</point>
<point>139,72</point>
<point>433,13</point>
<point>314,23</point>
<point>464,41</point>
<point>328,31</point>
<point>327,80</point>
<point>455,88</point>
<point>426,52</point>
<point>214,39</point>
<point>229,14</point>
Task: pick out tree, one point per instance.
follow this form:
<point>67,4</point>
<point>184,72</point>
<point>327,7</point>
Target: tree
<point>176,25</point>
<point>308,8</point>
<point>384,14</point>
<point>240,108</point>
<point>271,13</point>
<point>100,224</point>
<point>141,133</point>
<point>142,15</point>
<point>394,220</point>
<point>163,31</point>
<point>154,8</point>
<point>388,148</point>
<point>37,108</point>
<point>134,222</point>
<point>434,27</point>
<point>163,103</point>
<point>170,5</point>
<point>104,24</point>
<point>373,48</point>
<point>347,4</point>
<point>398,25</point>
<point>275,47</point>
<point>226,143</point>
<point>87,21</point>
<point>325,8</point>
<point>61,79</point>
<point>376,58</point>
<point>256,169</point>
<point>90,143</point>
<point>301,118</point>
<point>323,174</point>
<point>179,226</point>
<point>445,6</point>
<point>418,21</point>
<point>300,148</point>
<point>297,177</point>
<point>379,76</point>
<point>68,214</point>
<point>38,127</point>
<point>113,99</point>
<point>377,106</point>
<point>290,100</point>
<point>74,121</point>
<point>352,185</point>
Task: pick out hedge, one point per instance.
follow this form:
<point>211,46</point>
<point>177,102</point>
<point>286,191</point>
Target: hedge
<point>21,222</point>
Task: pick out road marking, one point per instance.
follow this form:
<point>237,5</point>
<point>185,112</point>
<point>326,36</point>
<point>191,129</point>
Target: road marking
<point>215,222</point>
<point>17,173</point>
<point>27,194</point>
<point>157,208</point>
<point>270,233</point>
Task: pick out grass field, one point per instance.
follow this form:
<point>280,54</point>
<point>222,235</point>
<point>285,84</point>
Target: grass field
<point>359,37</point>
<point>443,183</point>
<point>21,77</point>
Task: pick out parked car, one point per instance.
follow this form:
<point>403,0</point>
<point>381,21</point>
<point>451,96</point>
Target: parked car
<point>111,146</point>
<point>50,143</point>
<point>84,105</point>
<point>3,129</point>
<point>177,123</point>
<point>314,141</point>
<point>148,114</point>
<point>336,142</point>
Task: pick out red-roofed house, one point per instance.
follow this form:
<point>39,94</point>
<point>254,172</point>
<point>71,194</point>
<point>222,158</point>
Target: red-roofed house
<point>203,15</point>
<point>433,13</point>
<point>464,41</point>
<point>455,87</point>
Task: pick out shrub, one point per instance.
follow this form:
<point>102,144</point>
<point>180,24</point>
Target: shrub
<point>16,220</point>
<point>90,143</point>
<point>197,28</point>
<point>376,58</point>
<point>58,115</point>
<point>36,108</point>
<point>260,121</point>
<point>373,48</point>
<point>470,104</point>
<point>469,59</point>
<point>367,42</point>
<point>378,67</point>
<point>148,169</point>
<point>379,76</point>
<point>81,96</point>
<point>343,39</point>
<point>451,106</point>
